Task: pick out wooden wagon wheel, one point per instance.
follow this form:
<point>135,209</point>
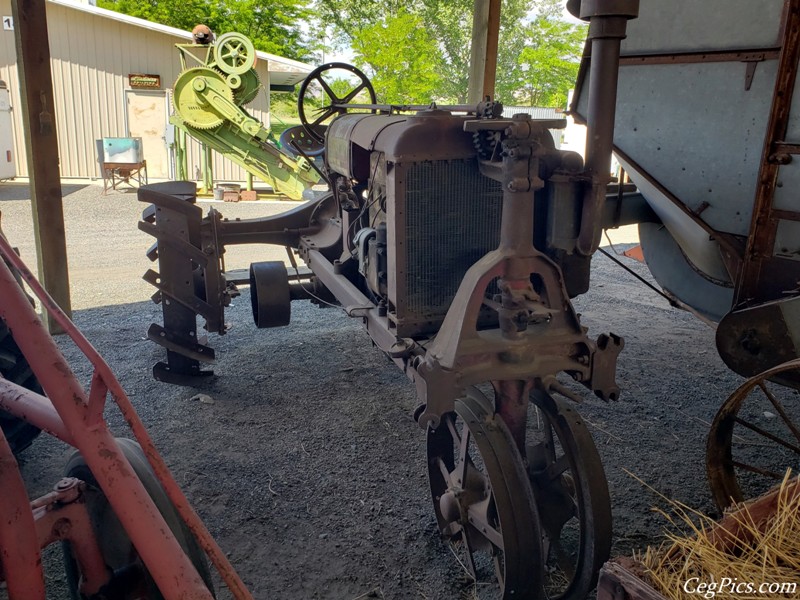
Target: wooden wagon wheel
<point>755,436</point>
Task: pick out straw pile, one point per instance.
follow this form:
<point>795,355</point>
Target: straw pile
<point>758,542</point>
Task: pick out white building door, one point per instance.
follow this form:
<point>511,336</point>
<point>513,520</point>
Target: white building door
<point>7,166</point>
<point>147,119</point>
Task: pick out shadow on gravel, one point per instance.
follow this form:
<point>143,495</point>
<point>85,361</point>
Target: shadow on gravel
<point>22,191</point>
<point>306,464</point>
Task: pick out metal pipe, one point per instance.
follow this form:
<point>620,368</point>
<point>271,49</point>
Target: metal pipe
<point>608,20</point>
<point>187,513</point>
<point>388,108</point>
<point>19,546</point>
<point>59,519</point>
<point>33,408</point>
<point>356,304</point>
<point>150,534</point>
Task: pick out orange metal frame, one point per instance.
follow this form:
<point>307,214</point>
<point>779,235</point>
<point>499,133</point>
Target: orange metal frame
<point>71,414</point>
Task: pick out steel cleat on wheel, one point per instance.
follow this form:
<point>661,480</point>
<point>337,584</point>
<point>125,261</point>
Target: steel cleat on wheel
<point>189,281</point>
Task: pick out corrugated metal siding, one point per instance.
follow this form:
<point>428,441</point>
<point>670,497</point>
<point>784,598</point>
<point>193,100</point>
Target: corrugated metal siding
<point>91,59</point>
<point>534,111</point>
<point>539,113</point>
<point>8,73</point>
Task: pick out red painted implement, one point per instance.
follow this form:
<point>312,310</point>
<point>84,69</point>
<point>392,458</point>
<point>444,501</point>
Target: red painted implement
<point>74,416</point>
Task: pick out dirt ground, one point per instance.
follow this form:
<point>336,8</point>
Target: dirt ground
<point>308,467</point>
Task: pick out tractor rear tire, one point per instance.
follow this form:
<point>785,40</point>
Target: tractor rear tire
<point>14,367</point>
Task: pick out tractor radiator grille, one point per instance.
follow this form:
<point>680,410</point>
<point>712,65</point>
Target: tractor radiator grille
<point>452,220</point>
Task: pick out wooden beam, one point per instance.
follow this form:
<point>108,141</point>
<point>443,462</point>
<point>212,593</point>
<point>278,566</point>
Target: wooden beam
<point>480,27</point>
<point>36,91</point>
<point>483,58</point>
<point>492,40</point>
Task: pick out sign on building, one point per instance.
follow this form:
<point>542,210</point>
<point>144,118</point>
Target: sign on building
<point>139,81</point>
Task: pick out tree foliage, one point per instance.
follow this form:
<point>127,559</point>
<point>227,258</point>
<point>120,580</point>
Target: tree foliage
<point>272,25</point>
<point>548,63</point>
<point>399,44</point>
<point>538,51</point>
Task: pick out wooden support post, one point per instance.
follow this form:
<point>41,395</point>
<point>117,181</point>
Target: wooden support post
<point>492,42</point>
<point>36,90</point>
<point>483,60</point>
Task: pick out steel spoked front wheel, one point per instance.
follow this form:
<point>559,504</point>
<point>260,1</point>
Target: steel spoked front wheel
<point>482,497</point>
<point>571,494</point>
<point>755,436</point>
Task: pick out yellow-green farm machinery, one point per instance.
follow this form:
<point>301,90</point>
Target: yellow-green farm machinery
<point>216,82</point>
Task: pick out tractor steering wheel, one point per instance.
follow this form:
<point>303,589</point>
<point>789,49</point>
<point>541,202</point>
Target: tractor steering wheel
<point>316,127</point>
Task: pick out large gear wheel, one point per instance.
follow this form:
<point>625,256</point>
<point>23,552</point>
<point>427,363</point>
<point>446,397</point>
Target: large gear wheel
<point>248,88</point>
<point>189,102</point>
<point>487,142</point>
<point>234,54</point>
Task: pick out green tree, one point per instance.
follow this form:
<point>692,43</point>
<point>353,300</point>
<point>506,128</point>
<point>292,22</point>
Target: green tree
<point>449,23</point>
<point>547,65</point>
<point>272,25</point>
<point>399,44</point>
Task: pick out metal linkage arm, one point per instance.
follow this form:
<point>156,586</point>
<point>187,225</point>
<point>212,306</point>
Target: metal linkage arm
<point>539,334</point>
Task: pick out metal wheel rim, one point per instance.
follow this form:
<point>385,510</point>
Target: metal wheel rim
<point>519,568</point>
<point>111,534</point>
<point>591,496</point>
<point>234,54</point>
<point>721,467</point>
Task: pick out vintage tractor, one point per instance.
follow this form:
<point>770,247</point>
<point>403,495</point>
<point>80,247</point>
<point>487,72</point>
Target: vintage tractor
<point>458,238</point>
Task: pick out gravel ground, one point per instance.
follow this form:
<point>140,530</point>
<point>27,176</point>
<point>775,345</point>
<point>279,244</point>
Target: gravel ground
<point>308,467</point>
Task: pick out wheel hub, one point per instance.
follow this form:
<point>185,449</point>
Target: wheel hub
<point>451,506</point>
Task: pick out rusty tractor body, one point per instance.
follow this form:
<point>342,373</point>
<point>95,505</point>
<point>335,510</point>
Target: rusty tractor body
<point>458,239</point>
